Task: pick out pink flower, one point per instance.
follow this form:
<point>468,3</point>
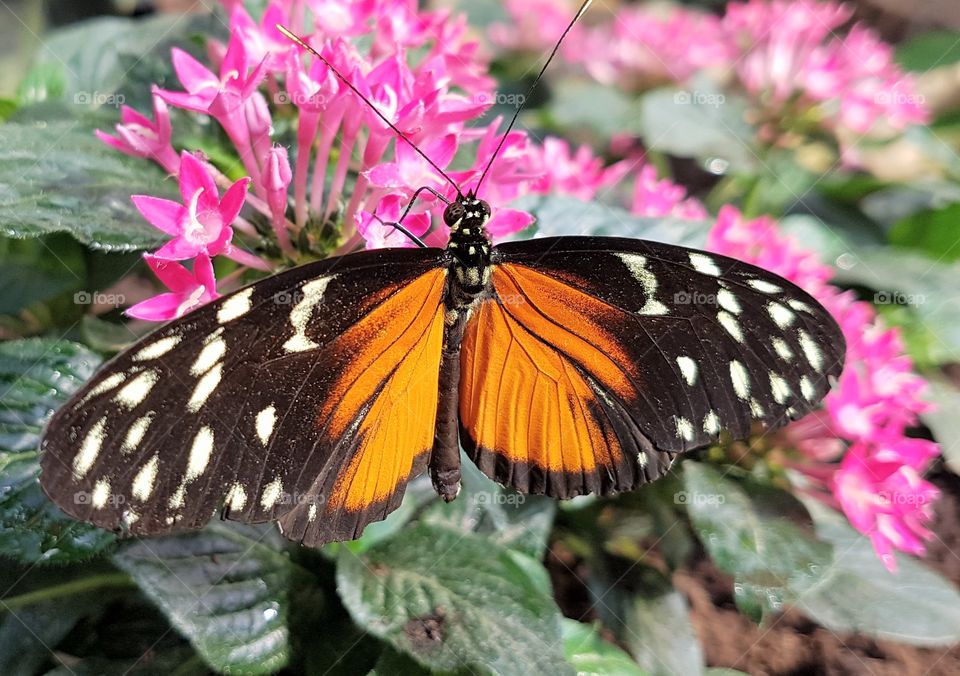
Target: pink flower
<point>581,174</point>
<point>188,290</point>
<point>139,136</point>
<point>886,499</point>
<point>377,235</point>
<point>201,225</point>
<point>866,416</point>
<point>654,197</point>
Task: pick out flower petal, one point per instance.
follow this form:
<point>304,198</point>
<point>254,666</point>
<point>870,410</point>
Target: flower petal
<point>160,213</point>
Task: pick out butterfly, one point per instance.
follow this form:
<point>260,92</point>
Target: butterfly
<point>563,366</point>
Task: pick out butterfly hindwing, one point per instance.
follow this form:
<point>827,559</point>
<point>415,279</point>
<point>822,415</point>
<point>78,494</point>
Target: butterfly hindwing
<point>664,346</point>
<point>295,397</point>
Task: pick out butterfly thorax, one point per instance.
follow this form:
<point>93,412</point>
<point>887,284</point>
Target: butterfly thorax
<point>469,249</point>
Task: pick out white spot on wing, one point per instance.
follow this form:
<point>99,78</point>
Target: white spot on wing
<point>235,306</point>
<point>205,388</point>
<point>157,349</point>
<point>731,325</point>
<point>807,389</point>
<point>271,493</point>
<point>312,513</point>
<point>101,494</point>
<point>688,368</point>
<point>209,355</point>
<point>711,423</point>
<point>266,419</point>
<point>780,388</point>
<point>764,286</point>
<point>146,479</point>
<point>136,391</point>
<point>704,264</point>
<point>237,498</point>
<point>301,313</point>
<point>136,433</point>
<point>740,379</point>
<point>684,429</point>
<point>89,450</point>
<point>728,301</point>
<point>200,454</point>
<point>109,383</point>
<point>799,306</point>
<point>782,349</point>
<point>811,350</point>
<point>780,315</point>
<point>642,459</point>
<point>637,265</point>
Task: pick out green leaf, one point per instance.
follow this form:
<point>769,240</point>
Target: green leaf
<point>112,61</point>
<point>226,589</point>
<point>699,122</point>
<point>27,636</point>
<point>857,594</point>
<point>512,519</point>
<point>943,421</point>
<point>38,269</point>
<point>933,232</point>
<point>452,601</point>
<point>603,110</point>
<point>58,177</point>
<point>929,50</point>
<point>588,653</point>
<point>926,287</point>
<point>564,215</point>
<point>773,560</point>
<point>37,376</point>
<point>658,629</point>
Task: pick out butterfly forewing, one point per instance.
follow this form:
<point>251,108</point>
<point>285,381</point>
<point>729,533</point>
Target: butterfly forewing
<point>666,346</point>
<point>258,401</point>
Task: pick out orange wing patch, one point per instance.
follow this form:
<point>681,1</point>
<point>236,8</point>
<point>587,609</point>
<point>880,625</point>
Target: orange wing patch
<point>534,402</point>
<point>381,408</point>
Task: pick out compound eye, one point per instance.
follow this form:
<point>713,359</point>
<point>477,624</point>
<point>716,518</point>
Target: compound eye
<point>452,214</point>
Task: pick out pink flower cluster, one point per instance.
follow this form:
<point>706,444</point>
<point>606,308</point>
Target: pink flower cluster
<point>786,55</point>
<point>855,450</point>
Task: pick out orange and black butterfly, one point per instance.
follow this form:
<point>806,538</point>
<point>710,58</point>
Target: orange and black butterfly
<point>563,366</point>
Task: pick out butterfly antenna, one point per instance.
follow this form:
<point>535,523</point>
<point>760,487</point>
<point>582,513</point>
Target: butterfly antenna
<point>300,41</point>
<point>583,9</point>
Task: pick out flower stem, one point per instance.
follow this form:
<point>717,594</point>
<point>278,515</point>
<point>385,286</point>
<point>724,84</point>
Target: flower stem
<point>57,592</point>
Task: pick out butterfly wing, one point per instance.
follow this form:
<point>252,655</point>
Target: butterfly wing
<point>308,397</point>
<point>596,360</point>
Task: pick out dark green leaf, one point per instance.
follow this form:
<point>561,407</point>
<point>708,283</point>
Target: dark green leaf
<point>929,50</point>
<point>36,376</point>
<point>58,177</point>
<point>857,594</point>
<point>601,109</point>
<point>563,215</point>
<point>452,601</point>
<point>933,232</point>
<point>588,653</point>
<point>518,521</point>
<point>38,269</point>
<point>226,589</point>
<point>27,636</point>
<point>773,560</point>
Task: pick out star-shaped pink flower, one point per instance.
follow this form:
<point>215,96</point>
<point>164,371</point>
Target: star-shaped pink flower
<point>188,289</point>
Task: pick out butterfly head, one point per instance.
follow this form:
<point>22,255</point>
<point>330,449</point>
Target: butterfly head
<point>467,215</point>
